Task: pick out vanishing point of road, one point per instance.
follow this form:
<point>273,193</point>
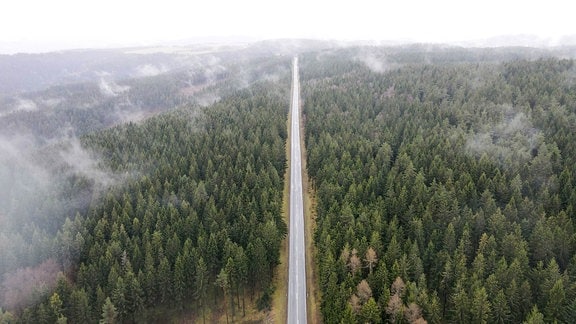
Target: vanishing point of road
<point>296,263</point>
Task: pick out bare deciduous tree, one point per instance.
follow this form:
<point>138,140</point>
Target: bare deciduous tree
<point>395,308</point>
<point>364,291</point>
<point>414,314</point>
<point>355,303</point>
<point>398,287</point>
<point>371,258</point>
<point>355,264</point>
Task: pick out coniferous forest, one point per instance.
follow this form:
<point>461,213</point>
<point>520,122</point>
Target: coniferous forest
<point>204,223</point>
<point>442,181</point>
<point>445,190</point>
<point>174,215</point>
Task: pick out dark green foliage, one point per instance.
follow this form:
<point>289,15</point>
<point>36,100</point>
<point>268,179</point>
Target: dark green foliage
<point>459,176</point>
<point>52,168</point>
<point>265,301</point>
<point>203,196</point>
<point>205,200</point>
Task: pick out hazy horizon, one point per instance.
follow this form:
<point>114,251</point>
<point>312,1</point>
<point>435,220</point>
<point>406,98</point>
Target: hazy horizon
<point>37,26</point>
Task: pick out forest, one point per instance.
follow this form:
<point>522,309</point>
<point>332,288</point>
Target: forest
<point>203,219</point>
<point>445,189</point>
<point>442,180</point>
<point>174,215</point>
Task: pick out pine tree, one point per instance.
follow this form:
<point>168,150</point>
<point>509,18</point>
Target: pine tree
<point>133,295</point>
<point>179,281</point>
<point>480,307</point>
<point>109,313</point>
<point>56,307</point>
<point>79,307</point>
<point>556,302</point>
<point>370,312</point>
<point>201,284</point>
<point>535,317</point>
<point>119,299</point>
<point>500,310</point>
<point>223,282</point>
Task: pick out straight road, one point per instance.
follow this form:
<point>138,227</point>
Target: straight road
<point>297,264</point>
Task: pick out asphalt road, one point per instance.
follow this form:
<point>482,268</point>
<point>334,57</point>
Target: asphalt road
<point>297,264</point>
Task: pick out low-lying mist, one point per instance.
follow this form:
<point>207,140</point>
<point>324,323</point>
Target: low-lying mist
<point>510,141</point>
<point>41,186</point>
<point>50,177</point>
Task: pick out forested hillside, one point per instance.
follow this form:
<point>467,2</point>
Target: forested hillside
<point>443,182</point>
<point>445,185</point>
<point>80,108</point>
<point>161,193</point>
<point>203,220</point>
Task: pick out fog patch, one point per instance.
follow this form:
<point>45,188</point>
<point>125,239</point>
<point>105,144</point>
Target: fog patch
<point>19,105</point>
<point>28,171</point>
<point>26,105</point>
<point>25,286</point>
<point>83,163</point>
<point>110,88</point>
<point>130,115</point>
<point>213,72</point>
<point>274,77</point>
<point>570,76</point>
<point>206,99</point>
<point>375,63</point>
<point>150,70</point>
<point>20,176</point>
<point>51,102</point>
<point>511,141</point>
<point>41,184</point>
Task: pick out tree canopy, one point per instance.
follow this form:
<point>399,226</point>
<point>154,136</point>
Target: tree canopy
<point>445,189</point>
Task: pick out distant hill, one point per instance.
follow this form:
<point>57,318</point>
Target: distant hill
<point>32,72</point>
<point>524,40</point>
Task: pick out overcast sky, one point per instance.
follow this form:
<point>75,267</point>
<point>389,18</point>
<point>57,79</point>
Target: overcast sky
<point>63,22</point>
